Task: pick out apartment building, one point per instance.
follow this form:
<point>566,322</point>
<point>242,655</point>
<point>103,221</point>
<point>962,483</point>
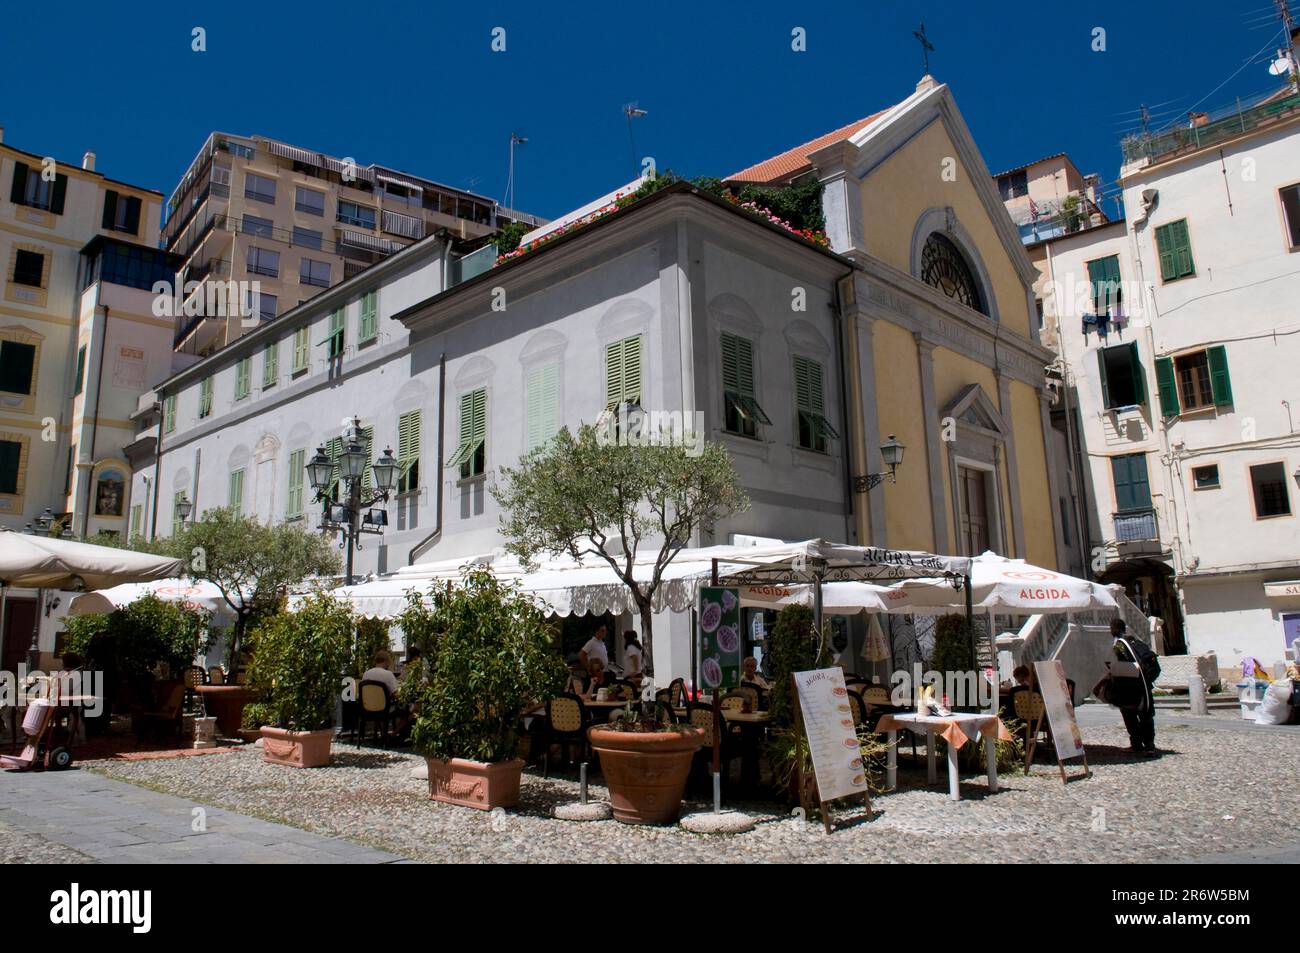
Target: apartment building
<point>79,343</point>
<point>1178,331</point>
<point>260,226</point>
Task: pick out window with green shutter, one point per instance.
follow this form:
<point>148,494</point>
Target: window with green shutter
<point>333,450</point>
<point>271,365</point>
<point>334,341</point>
<point>301,349</point>
<point>1167,387</point>
<point>471,455</point>
<point>815,429</point>
<point>543,404</point>
<point>243,378</point>
<point>623,372</point>
<point>205,397</point>
<point>1123,382</point>
<point>137,521</point>
<point>169,414</point>
<point>408,452</point>
<point>743,414</point>
<point>1220,383</point>
<point>368,328</point>
<point>1174,249</point>
<point>1107,295</point>
<point>297,477</point>
<point>80,382</point>
<point>236,498</point>
<point>1132,488</point>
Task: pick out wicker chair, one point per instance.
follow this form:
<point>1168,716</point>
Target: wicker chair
<point>876,702</point>
<point>752,692</point>
<point>216,675</point>
<point>193,677</point>
<point>677,693</point>
<point>1030,709</point>
<point>566,725</point>
<point>626,690</point>
<point>375,706</point>
<point>858,707</point>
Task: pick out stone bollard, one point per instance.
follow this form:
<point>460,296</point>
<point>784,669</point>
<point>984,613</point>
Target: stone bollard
<point>205,732</point>
<point>1196,695</point>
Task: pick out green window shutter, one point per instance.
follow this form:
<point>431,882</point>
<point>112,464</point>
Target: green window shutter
<point>369,317</point>
<point>1165,248</point>
<point>730,366</point>
<point>1132,488</point>
<point>368,441</point>
<point>205,397</point>
<point>169,415</point>
<point>270,364</point>
<point>1183,249</point>
<point>110,209</point>
<point>1105,387</point>
<point>1139,375</point>
<point>133,216</point>
<point>408,452</point>
<point>243,378</point>
<point>473,427</point>
<point>297,475</point>
<point>60,192</point>
<point>137,520</point>
<point>1168,388</point>
<point>18,191</point>
<point>236,499</point>
<point>543,399</point>
<point>80,382</point>
<point>632,370</point>
<point>1103,274</point>
<point>300,349</point>
<point>613,375</point>
<point>623,372</point>
<point>333,448</point>
<point>1220,383</point>
<point>335,338</point>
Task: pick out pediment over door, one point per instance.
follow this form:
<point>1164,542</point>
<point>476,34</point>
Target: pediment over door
<point>973,408</point>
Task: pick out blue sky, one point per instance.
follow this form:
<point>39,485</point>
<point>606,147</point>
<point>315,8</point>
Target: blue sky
<point>416,86</point>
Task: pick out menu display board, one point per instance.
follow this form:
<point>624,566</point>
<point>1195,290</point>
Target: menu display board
<point>1060,708</point>
<point>832,737</point>
<point>719,621</point>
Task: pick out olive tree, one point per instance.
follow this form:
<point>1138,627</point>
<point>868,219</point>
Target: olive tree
<point>585,495</point>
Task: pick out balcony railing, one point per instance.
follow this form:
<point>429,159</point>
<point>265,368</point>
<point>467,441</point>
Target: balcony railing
<point>1136,526</point>
<point>1223,125</point>
<point>406,225</point>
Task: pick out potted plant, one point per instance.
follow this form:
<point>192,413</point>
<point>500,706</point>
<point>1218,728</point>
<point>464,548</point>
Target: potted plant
<point>645,764</point>
<point>486,654</point>
<point>298,663</point>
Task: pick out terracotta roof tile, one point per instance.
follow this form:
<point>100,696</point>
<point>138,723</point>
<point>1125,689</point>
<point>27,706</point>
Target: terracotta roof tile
<point>788,164</point>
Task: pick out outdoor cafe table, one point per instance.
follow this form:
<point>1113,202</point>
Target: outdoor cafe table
<point>751,724</point>
<point>956,729</point>
<point>607,707</point>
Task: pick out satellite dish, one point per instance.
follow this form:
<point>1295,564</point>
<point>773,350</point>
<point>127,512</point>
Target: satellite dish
<point>1280,66</point>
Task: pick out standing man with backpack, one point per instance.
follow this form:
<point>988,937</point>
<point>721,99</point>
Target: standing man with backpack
<point>1140,720</point>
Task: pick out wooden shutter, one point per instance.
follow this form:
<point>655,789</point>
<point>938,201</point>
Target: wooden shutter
<point>243,375</point>
<point>169,415</point>
<point>369,317</point>
<point>1105,386</point>
<point>336,332</point>
<point>1167,386</point>
<point>632,370</point>
<point>1139,375</point>
<point>237,491</point>
<point>613,375</point>
<point>802,384</point>
<point>1182,248</point>
<point>18,192</point>
<point>271,364</point>
<point>110,209</point>
<point>408,451</point>
<point>300,349</point>
<point>133,215</point>
<point>1165,248</point>
<point>59,194</point>
<point>296,477</point>
<point>543,404</point>
<point>205,397</point>
<point>1132,489</point>
<point>730,368</point>
<point>1220,383</point>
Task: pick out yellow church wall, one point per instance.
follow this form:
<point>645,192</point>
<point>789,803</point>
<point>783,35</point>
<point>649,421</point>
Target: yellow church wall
<point>1035,493</point>
<point>897,192</point>
<point>898,410</point>
<point>953,373</point>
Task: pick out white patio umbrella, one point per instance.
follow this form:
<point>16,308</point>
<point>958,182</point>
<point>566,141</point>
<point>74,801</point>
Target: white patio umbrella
<point>1004,585</point>
<point>194,593</point>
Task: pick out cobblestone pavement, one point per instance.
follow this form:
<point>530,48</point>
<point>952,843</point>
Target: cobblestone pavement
<point>80,817</point>
<point>1213,794</point>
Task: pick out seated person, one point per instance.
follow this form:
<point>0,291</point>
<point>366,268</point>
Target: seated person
<point>1021,679</point>
<point>381,671</point>
<point>595,679</point>
<point>749,674</point>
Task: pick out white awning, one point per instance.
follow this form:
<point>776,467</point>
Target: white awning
<point>44,562</point>
<point>293,152</point>
<point>195,594</point>
<point>396,180</point>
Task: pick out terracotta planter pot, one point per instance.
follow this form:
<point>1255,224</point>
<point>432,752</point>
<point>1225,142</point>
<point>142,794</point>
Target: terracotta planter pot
<point>646,771</point>
<point>226,703</point>
<point>475,783</point>
<point>298,749</point>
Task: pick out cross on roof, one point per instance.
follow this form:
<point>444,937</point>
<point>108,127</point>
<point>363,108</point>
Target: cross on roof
<point>926,46</point>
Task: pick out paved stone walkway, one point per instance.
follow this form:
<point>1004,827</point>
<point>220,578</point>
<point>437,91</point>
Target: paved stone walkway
<point>118,823</point>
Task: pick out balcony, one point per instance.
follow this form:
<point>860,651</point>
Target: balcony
<point>1137,531</point>
<point>408,226</point>
<point>1208,130</point>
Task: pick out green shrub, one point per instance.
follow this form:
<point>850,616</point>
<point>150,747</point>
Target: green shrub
<point>792,647</point>
<point>952,645</point>
<point>487,653</point>
<point>299,659</point>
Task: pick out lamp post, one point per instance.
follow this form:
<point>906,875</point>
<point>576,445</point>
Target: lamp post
<point>891,454</point>
<point>345,515</point>
<point>183,508</point>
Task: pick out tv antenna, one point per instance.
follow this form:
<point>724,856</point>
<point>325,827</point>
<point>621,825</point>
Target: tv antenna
<point>515,140</point>
<point>632,111</point>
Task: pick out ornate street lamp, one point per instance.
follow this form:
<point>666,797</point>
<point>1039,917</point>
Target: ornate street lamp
<point>184,508</point>
<point>351,514</point>
<point>891,454</point>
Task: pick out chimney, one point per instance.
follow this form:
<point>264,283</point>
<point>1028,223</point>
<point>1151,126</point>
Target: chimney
<point>88,162</point>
